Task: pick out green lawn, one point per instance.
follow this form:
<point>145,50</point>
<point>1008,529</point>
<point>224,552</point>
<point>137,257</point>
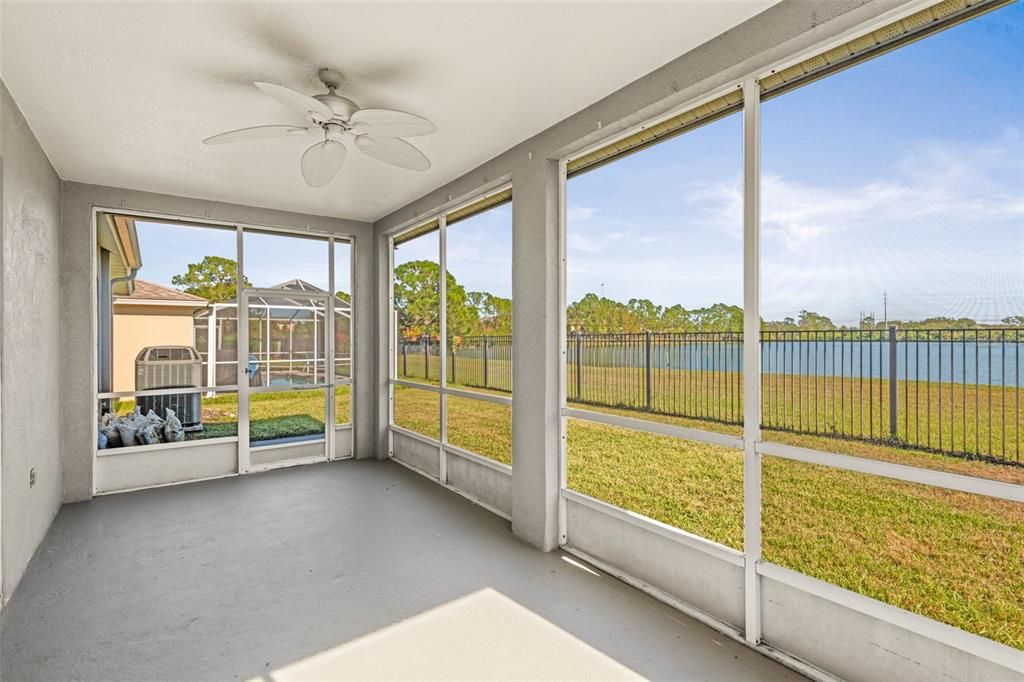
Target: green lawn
<point>811,405</point>
<point>954,557</point>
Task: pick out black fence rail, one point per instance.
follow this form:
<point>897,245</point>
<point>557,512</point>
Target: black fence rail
<point>476,361</point>
<point>952,391</point>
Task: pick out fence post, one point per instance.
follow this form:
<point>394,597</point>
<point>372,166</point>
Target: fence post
<point>405,358</point>
<point>893,399</point>
<point>647,365</point>
<point>453,365</point>
<point>426,357</point>
<point>485,361</point>
<point>579,367</point>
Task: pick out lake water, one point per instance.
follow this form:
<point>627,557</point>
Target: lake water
<point>986,363</point>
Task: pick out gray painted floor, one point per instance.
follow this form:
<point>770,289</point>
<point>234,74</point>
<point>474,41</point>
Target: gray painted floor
<point>237,578</point>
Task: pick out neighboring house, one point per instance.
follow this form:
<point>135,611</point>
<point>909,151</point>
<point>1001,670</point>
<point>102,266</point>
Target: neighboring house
<point>118,259</point>
<point>151,315</point>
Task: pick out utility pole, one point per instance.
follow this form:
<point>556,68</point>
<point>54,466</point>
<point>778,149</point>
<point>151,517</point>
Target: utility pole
<point>885,307</point>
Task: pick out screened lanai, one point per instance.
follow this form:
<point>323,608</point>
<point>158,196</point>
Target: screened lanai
<point>720,368</point>
<point>286,337</point>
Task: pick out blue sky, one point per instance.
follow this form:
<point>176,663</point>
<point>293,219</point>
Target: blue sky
<point>269,259</point>
<point>479,251</point>
<point>904,174</point>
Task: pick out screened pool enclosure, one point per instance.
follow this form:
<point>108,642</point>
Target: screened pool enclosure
<point>286,337</point>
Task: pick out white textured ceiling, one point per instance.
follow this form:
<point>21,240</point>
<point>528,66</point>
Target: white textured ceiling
<point>122,93</point>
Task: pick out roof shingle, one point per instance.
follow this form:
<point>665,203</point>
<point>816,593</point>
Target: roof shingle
<point>148,291</point>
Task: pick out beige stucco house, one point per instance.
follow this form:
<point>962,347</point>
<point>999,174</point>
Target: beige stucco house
<point>152,315</point>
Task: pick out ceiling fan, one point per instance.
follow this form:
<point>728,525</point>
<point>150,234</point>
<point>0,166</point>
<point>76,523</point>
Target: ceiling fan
<point>375,132</point>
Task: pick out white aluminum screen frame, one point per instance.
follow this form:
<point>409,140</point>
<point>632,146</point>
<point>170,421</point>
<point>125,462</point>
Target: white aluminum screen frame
<point>751,444</point>
<point>238,227</point>
<point>444,448</point>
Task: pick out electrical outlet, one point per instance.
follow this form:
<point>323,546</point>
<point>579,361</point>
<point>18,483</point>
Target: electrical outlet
<point>31,477</point>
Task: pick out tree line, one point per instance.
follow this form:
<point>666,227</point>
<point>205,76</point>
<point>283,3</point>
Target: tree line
<point>475,313</point>
<point>214,278</point>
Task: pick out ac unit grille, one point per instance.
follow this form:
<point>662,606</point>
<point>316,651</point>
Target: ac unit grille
<point>188,407</point>
<point>168,367</point>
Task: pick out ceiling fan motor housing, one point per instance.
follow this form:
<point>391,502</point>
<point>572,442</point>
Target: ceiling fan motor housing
<point>342,107</point>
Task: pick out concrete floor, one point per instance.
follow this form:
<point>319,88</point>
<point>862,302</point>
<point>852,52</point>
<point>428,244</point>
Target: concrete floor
<point>350,569</point>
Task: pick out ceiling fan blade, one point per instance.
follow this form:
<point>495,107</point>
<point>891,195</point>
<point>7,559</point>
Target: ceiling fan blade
<point>394,151</point>
<point>322,161</point>
<point>296,100</point>
<point>388,123</point>
<point>255,133</point>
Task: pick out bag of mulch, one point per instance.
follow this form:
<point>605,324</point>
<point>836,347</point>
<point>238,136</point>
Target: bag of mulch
<point>135,419</point>
<point>101,441</point>
<point>109,432</point>
<point>174,432</point>
<point>127,430</point>
<point>147,434</point>
<point>154,419</point>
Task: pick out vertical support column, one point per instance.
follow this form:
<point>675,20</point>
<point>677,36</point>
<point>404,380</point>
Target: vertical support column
<point>751,357</point>
<point>536,466</point>
<point>442,350</point>
<point>242,352</point>
<point>330,375</point>
<point>390,317</point>
<point>387,339</point>
<point>211,349</point>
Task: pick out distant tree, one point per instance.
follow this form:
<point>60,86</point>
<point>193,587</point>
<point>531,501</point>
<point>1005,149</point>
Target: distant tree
<point>645,314</point>
<point>418,301</point>
<point>1013,321</point>
<point>597,315</point>
<point>719,317</point>
<point>344,296</point>
<point>676,318</point>
<point>493,313</point>
<point>212,278</point>
<point>813,321</point>
<point>783,325</point>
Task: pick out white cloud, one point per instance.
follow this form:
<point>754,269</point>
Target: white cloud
<point>579,213</point>
<point>940,181</point>
<point>594,241</point>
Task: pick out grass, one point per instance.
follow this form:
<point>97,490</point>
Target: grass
<point>283,414</point>
<point>951,556</point>
<point>816,405</point>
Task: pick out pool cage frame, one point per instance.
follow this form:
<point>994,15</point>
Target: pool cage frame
<point>289,308</point>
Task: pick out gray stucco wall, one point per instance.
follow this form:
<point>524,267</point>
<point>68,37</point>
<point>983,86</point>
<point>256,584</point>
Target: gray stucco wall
<point>77,285</point>
<point>30,390</point>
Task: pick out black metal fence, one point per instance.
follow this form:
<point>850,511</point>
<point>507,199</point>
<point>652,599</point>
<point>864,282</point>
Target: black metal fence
<point>953,391</point>
<point>477,361</point>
